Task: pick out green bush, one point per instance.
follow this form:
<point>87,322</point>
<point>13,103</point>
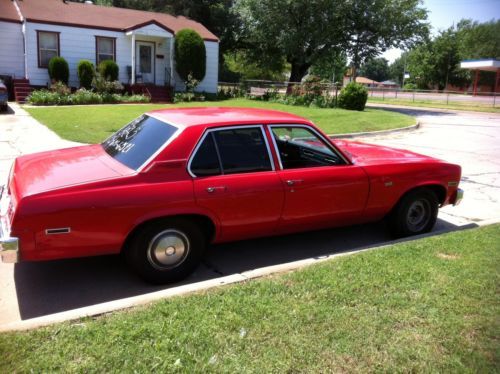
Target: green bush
<point>86,73</point>
<point>109,70</point>
<point>103,85</point>
<point>190,56</point>
<point>353,97</point>
<point>60,88</point>
<point>82,97</point>
<point>58,70</point>
<point>410,86</point>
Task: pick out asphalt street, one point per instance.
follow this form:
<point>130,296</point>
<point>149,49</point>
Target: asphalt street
<point>31,290</point>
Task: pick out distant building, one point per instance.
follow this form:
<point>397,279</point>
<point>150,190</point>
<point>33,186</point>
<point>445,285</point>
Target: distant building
<point>389,84</point>
<point>362,80</point>
<point>476,66</point>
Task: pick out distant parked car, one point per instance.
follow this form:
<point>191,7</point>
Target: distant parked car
<point>4,97</point>
<point>172,181</point>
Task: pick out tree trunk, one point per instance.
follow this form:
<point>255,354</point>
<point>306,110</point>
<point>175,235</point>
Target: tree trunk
<point>296,75</point>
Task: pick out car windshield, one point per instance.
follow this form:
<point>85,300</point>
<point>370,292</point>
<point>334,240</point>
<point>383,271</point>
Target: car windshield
<point>134,144</point>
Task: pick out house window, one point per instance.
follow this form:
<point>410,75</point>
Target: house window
<point>48,47</point>
<point>105,49</point>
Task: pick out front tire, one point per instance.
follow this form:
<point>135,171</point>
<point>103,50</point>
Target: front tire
<point>166,251</point>
<point>416,213</point>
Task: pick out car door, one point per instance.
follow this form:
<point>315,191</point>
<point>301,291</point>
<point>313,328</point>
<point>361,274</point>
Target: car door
<point>322,189</point>
<point>234,178</point>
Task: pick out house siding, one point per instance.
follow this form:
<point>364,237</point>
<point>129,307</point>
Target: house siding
<point>78,43</point>
<point>75,44</point>
<point>12,49</point>
<point>211,79</point>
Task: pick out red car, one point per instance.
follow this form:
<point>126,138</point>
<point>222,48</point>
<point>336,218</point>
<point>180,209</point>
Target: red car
<point>175,180</point>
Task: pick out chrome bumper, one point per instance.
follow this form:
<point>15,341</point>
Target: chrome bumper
<point>458,197</point>
<point>9,246</point>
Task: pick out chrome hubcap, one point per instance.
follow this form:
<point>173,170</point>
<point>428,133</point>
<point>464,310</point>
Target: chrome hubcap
<point>168,249</point>
<point>418,215</point>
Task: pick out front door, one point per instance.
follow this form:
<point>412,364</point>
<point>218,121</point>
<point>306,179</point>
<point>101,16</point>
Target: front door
<point>144,52</point>
<point>321,188</point>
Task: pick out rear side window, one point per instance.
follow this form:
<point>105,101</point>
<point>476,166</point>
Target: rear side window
<point>134,144</point>
<point>206,161</point>
<point>242,150</point>
<point>232,151</point>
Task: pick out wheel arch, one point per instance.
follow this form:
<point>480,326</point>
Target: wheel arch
<point>206,224</point>
<point>438,189</point>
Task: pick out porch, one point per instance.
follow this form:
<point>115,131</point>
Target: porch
<point>151,60</point>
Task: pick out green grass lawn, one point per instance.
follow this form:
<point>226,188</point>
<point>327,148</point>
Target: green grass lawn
<point>430,305</point>
<point>92,124</point>
<point>454,105</point>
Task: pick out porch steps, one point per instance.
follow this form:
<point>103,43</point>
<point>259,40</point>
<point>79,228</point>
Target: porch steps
<point>158,94</point>
<point>22,90</point>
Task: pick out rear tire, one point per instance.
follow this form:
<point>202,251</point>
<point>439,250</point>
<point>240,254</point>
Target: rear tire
<point>416,213</point>
<point>166,251</point>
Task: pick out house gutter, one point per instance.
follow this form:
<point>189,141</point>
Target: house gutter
<point>25,47</point>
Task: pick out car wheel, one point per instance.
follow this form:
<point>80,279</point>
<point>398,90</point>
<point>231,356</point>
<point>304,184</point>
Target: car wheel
<point>166,251</point>
<point>416,213</point>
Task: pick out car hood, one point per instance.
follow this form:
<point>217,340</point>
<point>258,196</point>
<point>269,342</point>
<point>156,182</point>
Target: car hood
<point>369,154</point>
<point>46,171</point>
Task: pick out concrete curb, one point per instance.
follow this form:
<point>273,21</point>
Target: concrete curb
<point>375,133</point>
<point>127,303</point>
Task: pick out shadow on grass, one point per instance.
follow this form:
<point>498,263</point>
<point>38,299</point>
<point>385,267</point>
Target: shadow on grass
<point>55,286</point>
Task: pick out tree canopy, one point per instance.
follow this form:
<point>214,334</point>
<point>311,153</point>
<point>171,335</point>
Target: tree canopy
<point>436,63</point>
<point>376,69</point>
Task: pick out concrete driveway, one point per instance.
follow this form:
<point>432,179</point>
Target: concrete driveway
<point>31,290</point>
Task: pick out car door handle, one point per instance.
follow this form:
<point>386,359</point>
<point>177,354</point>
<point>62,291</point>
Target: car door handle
<point>293,182</point>
<point>214,189</point>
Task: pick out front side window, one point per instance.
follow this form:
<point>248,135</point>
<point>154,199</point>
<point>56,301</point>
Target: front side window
<point>134,144</point>
<point>48,47</point>
<point>105,49</point>
<point>231,151</point>
<point>300,147</point>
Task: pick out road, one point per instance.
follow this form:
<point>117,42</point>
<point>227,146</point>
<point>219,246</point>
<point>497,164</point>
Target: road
<point>36,289</point>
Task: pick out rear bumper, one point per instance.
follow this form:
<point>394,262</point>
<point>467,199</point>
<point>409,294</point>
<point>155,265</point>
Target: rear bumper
<point>457,197</point>
<point>9,246</point>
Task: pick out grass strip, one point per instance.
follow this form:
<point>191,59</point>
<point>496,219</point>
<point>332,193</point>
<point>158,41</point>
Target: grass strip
<point>93,124</point>
<point>429,305</point>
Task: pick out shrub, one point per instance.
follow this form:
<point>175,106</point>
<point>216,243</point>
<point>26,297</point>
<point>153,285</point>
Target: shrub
<point>82,97</point>
<point>86,73</point>
<point>60,88</point>
<point>410,86</point>
<point>58,70</point>
<point>190,56</point>
<point>103,85</point>
<point>353,97</point>
<point>109,70</point>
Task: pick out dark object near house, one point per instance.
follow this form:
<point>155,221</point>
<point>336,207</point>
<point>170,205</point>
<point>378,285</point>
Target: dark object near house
<point>4,96</point>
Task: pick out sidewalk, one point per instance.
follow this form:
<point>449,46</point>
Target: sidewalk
<point>19,134</point>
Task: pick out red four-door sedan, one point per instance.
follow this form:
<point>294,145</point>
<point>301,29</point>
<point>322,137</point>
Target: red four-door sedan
<point>175,180</point>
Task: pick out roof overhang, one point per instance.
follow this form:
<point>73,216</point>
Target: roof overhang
<point>486,64</point>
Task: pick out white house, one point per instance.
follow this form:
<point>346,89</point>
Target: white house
<point>141,43</point>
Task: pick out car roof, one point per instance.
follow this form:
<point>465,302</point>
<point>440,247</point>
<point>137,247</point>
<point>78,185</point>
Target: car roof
<point>220,116</point>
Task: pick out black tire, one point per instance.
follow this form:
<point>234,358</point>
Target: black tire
<point>166,251</point>
<point>4,108</point>
<point>416,213</point>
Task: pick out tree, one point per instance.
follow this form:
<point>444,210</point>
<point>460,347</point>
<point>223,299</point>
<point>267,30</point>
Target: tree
<point>376,25</point>
<point>301,32</point>
<point>376,69</point>
<point>332,67</point>
<point>190,56</point>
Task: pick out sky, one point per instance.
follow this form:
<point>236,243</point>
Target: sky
<point>444,13</point>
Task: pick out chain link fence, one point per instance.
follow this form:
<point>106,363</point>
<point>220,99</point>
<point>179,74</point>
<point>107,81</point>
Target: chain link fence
<point>452,99</point>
